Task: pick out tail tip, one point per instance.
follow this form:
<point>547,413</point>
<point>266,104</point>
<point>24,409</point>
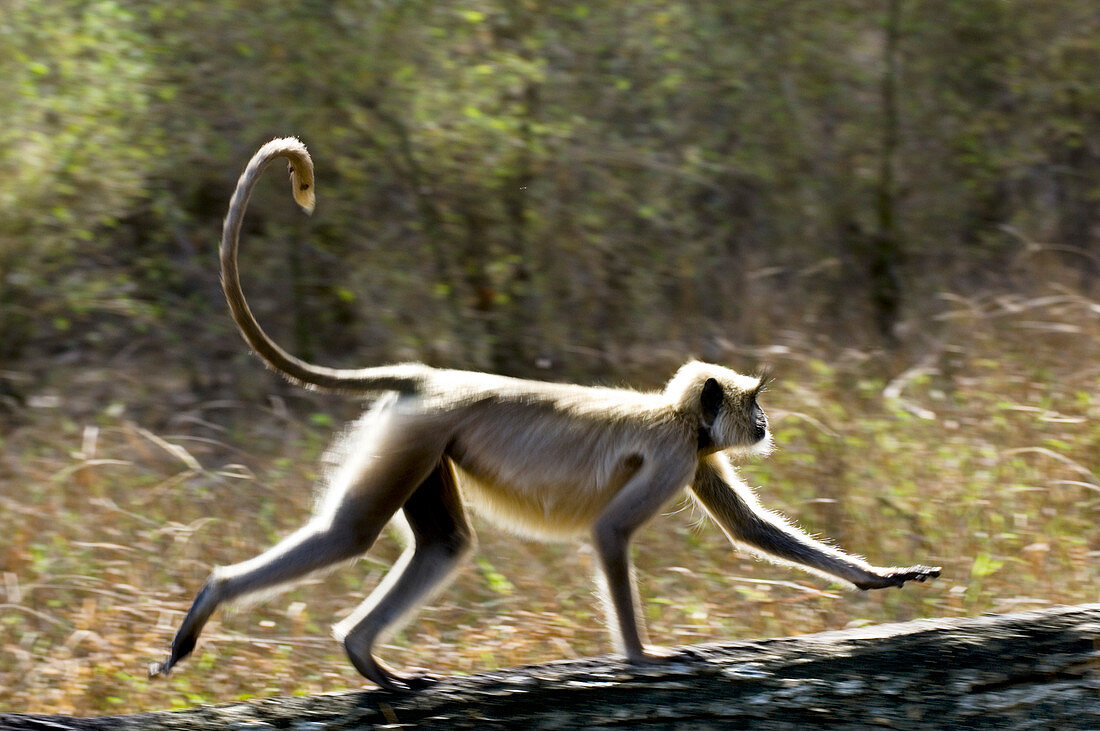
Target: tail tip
<point>305,198</point>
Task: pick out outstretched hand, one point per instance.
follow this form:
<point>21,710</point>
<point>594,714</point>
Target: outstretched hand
<point>895,576</point>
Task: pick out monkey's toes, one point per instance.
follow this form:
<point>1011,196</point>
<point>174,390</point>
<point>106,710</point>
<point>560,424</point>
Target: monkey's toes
<point>160,669</point>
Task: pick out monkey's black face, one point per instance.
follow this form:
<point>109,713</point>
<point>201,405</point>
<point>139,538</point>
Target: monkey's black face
<point>759,423</point>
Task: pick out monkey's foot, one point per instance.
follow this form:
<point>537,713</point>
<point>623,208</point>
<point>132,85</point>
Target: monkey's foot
<point>655,655</point>
<point>162,669</point>
<point>378,673</point>
<point>181,648</point>
<point>187,636</point>
<point>885,578</point>
<point>403,682</point>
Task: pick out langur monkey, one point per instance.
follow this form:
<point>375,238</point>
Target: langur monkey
<point>546,460</point>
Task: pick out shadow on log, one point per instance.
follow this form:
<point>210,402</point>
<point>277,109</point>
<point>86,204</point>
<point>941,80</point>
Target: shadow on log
<point>1027,670</point>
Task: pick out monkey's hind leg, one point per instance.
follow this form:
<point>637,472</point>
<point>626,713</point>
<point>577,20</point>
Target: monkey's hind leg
<point>371,486</point>
<point>311,548</point>
<point>441,538</point>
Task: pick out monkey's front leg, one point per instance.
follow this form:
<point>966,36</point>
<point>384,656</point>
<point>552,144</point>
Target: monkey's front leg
<point>736,510</point>
<point>637,502</point>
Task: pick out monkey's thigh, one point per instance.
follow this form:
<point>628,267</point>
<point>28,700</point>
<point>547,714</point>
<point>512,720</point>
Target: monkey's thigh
<point>387,455</point>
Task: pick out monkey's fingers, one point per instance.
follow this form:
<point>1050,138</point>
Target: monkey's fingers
<point>418,680</point>
<point>885,578</point>
<point>656,655</point>
<point>914,573</point>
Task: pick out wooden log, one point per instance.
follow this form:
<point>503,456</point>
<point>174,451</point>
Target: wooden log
<point>1037,669</point>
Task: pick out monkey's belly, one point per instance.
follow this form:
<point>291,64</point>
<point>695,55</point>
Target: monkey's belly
<point>534,513</point>
<point>540,472</point>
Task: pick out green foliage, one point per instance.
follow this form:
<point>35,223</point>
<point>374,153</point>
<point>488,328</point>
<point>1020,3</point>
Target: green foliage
<point>76,148</point>
<point>652,167</point>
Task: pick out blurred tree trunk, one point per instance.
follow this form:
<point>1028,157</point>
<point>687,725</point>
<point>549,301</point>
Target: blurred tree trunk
<point>513,346</point>
<point>885,255</point>
<point>1077,193</point>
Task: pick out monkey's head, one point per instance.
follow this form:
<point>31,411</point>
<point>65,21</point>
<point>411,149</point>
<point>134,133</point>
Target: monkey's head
<point>724,405</point>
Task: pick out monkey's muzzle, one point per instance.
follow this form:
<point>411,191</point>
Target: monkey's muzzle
<point>760,428</point>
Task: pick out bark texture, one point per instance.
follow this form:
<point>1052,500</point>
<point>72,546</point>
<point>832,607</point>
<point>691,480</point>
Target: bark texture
<point>1030,670</point>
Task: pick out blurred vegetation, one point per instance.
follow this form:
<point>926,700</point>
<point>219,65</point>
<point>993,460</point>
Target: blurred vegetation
<point>896,204</point>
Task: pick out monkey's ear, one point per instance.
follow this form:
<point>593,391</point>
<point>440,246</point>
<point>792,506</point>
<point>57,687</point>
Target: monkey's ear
<point>711,400</point>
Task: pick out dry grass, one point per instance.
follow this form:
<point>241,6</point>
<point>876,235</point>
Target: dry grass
<point>982,455</point>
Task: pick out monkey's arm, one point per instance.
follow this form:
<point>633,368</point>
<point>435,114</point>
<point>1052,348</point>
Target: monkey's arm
<point>731,503</point>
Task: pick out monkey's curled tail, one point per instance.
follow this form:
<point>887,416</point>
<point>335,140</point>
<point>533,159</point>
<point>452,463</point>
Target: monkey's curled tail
<point>404,378</point>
